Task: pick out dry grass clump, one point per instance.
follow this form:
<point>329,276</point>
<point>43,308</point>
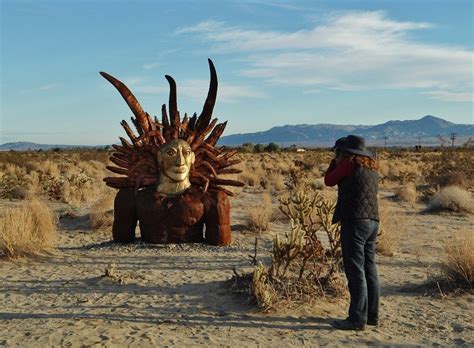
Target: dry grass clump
<point>456,178</point>
<point>13,182</point>
<point>384,168</point>
<point>260,215</point>
<point>29,229</point>
<point>277,180</point>
<point>407,193</point>
<point>101,212</point>
<point>249,178</point>
<point>452,198</point>
<point>318,184</point>
<point>389,231</point>
<point>458,267</point>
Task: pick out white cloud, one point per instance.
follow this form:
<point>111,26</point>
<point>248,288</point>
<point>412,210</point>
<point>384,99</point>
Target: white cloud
<point>149,66</point>
<point>351,51</point>
<point>451,96</point>
<point>197,89</point>
<point>47,86</point>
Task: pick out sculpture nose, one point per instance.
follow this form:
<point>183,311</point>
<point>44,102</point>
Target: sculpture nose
<point>180,159</point>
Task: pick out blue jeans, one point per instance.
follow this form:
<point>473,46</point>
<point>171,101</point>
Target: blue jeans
<point>358,238</point>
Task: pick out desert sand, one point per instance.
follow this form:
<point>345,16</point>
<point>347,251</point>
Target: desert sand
<point>178,295</point>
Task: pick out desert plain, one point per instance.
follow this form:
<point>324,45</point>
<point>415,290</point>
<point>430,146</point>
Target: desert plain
<point>86,291</point>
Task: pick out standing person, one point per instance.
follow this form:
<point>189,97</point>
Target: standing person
<point>355,173</point>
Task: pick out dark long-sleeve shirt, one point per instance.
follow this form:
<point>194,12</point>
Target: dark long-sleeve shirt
<point>336,172</point>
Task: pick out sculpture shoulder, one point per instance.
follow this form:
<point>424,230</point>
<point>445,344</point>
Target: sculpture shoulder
<point>219,195</point>
<point>216,198</point>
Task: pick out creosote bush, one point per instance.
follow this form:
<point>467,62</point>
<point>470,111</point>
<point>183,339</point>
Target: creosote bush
<point>390,227</point>
<point>458,266</point>
<point>452,198</point>
<point>26,230</point>
<point>101,212</point>
<point>260,215</point>
<point>406,193</point>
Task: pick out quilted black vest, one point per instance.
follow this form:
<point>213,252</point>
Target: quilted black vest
<point>357,196</point>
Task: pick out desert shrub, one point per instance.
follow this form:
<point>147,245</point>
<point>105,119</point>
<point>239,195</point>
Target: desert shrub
<point>29,229</point>
<point>250,179</point>
<point>457,267</point>
<point>261,214</point>
<point>77,188</point>
<point>384,168</point>
<point>272,147</point>
<point>318,184</point>
<point>246,148</point>
<point>454,178</point>
<point>13,182</point>
<point>101,212</point>
<point>451,198</point>
<point>452,168</point>
<point>259,148</point>
<point>389,231</point>
<point>48,167</point>
<point>303,164</point>
<point>277,180</point>
<point>407,193</point>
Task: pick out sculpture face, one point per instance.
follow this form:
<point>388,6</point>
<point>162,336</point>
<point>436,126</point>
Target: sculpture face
<point>175,160</point>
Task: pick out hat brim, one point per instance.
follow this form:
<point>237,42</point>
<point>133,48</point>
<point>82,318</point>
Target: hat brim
<point>359,152</point>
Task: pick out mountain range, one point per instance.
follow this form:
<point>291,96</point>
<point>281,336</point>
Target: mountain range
<point>425,131</point>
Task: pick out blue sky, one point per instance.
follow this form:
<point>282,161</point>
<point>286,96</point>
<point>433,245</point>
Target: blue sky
<point>278,62</point>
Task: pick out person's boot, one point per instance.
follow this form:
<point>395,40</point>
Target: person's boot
<point>373,322</point>
<point>347,325</point>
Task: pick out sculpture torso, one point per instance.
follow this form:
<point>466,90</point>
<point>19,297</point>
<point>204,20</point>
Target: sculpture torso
<point>172,219</point>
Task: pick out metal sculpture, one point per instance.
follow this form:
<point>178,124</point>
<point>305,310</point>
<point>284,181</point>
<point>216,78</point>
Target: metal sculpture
<point>170,174</point>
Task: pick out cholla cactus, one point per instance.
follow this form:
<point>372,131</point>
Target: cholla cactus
<point>286,250</point>
<point>313,215</point>
<point>309,216</point>
<point>261,288</point>
<point>325,210</point>
<point>302,267</point>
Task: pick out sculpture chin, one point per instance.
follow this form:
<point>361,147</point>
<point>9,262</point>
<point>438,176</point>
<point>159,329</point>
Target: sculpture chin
<point>173,184</point>
<point>178,174</point>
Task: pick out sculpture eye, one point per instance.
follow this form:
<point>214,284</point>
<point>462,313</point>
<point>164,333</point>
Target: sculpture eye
<point>170,153</point>
<point>187,152</point>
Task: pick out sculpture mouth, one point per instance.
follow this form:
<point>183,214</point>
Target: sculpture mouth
<point>180,170</point>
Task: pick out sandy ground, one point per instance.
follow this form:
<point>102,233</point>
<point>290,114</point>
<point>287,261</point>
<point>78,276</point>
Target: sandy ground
<point>177,295</point>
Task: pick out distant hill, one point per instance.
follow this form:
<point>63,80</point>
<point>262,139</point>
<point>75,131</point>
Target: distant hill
<point>403,133</point>
<point>28,146</point>
<point>407,132</point>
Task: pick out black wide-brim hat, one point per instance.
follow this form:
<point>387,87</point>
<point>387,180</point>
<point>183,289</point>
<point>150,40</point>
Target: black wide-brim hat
<point>339,144</point>
<point>356,145</point>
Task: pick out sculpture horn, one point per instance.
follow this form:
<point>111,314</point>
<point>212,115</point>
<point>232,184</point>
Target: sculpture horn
<point>130,99</point>
<point>173,102</point>
<point>208,107</point>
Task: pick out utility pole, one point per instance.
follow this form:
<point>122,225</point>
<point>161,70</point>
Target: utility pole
<point>419,141</point>
<point>385,142</point>
<point>453,138</point>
